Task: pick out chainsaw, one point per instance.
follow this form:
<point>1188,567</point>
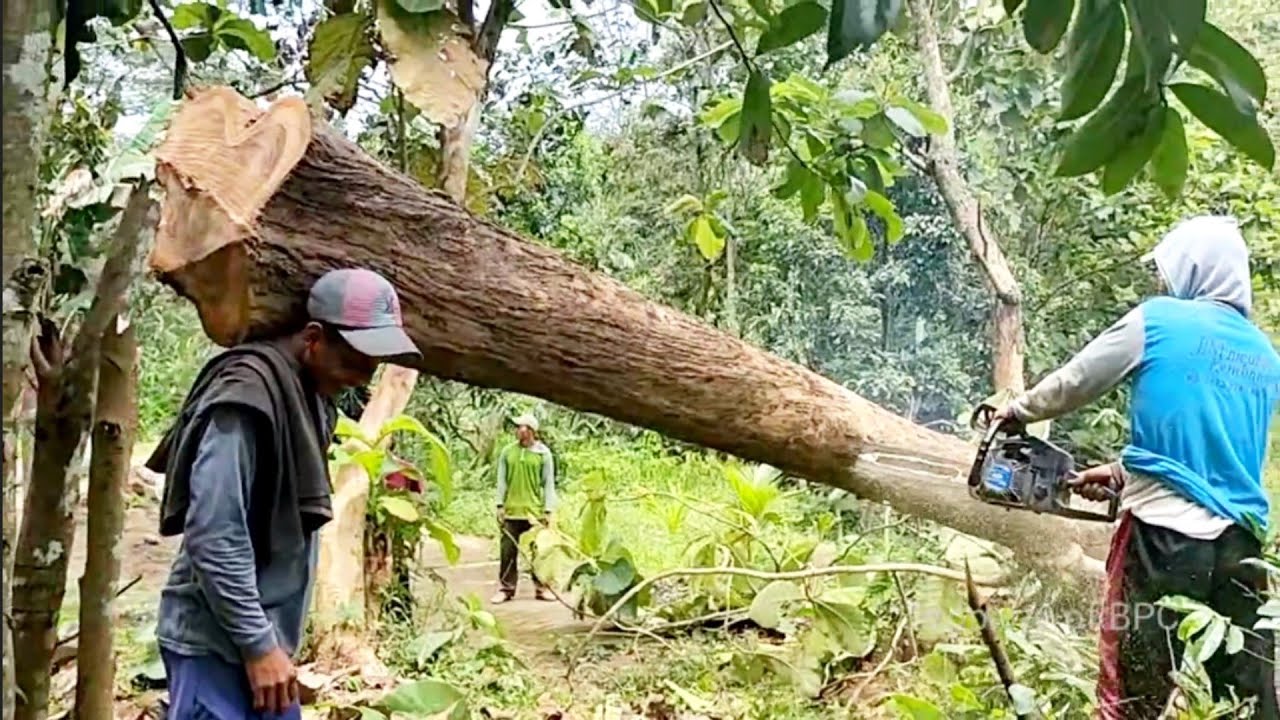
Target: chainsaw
<point>1018,470</point>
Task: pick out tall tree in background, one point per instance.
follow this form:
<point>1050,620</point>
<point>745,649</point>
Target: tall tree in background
<point>1008,339</point>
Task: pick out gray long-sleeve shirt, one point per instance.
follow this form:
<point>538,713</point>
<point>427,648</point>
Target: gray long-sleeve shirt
<point>1103,364</point>
<point>216,600</point>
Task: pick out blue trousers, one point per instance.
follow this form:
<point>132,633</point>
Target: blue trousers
<point>205,687</point>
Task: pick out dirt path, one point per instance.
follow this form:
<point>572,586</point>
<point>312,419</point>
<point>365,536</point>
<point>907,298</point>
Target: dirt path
<point>532,625</point>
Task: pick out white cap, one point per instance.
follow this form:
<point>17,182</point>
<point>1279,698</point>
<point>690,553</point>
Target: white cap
<point>527,420</point>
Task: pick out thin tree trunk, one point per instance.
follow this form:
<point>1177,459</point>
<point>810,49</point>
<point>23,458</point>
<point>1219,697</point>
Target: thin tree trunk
<point>1006,326</point>
<point>115,424</point>
<point>27,53</point>
<point>490,309</point>
<point>65,373</point>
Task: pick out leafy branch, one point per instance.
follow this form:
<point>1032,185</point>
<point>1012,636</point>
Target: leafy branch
<point>807,574</point>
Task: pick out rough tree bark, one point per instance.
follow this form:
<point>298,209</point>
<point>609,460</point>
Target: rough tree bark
<point>1008,343</point>
<point>114,427</point>
<point>490,309</point>
<point>65,373</point>
<point>27,52</point>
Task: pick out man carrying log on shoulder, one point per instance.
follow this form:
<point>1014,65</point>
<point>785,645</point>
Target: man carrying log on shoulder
<point>526,497</point>
<point>1205,385</point>
<point>247,486</point>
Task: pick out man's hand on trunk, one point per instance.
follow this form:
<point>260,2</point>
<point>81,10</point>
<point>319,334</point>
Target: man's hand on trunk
<point>274,682</point>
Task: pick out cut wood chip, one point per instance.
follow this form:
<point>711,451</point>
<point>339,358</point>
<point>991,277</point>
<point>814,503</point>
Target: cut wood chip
<point>432,62</point>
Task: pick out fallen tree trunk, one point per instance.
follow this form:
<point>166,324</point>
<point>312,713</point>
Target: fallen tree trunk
<point>258,205</point>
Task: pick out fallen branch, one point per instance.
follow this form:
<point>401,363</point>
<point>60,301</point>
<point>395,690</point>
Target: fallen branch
<point>992,641</point>
<point>890,567</point>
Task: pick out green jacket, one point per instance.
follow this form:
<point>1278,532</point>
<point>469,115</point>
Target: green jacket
<point>526,480</point>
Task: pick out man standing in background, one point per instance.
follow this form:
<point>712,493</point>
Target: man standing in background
<point>526,497</point>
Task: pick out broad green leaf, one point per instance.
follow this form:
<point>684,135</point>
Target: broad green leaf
<point>198,47</point>
<point>646,10</point>
<point>399,508</point>
<point>591,536</point>
<point>1045,22</point>
<point>877,132</point>
<point>1024,700</point>
<point>1186,20</point>
<point>420,6</point>
<point>1132,157</point>
<point>883,207</point>
<point>762,8</point>
<point>442,470</point>
<point>792,25</point>
<point>241,34</point>
<point>916,709</point>
<point>704,237</point>
<point>1212,639</point>
<point>195,15</point>
<point>614,578</point>
<point>851,228</point>
<point>426,646</point>
<point>1194,622</point>
<point>932,121</point>
<point>693,12</point>
<point>1180,604</point>
<point>766,606</point>
<point>443,536</point>
<point>1235,640</point>
<point>1229,63</point>
<point>856,104</point>
<point>857,24</point>
<point>715,116</point>
<point>1093,56</point>
<point>426,698</point>
<point>402,423</point>
<point>1224,117</point>
<point>756,123</point>
<point>1169,161</point>
<point>798,87</point>
<point>797,175</point>
<point>683,204</point>
<point>1151,35</point>
<point>812,193</point>
<point>1102,136</point>
<point>340,49</point>
<point>905,120</point>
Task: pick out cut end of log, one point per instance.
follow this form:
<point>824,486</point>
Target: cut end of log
<point>221,161</point>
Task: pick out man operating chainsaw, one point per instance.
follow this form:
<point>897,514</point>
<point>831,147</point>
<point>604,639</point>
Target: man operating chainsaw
<point>1205,385</point>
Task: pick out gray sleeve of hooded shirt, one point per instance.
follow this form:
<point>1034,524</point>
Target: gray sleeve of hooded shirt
<point>1099,367</point>
<point>216,535</point>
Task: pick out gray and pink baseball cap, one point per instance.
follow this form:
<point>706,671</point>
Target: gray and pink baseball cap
<point>365,310</point>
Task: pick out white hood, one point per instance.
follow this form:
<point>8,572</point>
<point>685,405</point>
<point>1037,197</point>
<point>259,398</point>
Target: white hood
<point>1205,258</point>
